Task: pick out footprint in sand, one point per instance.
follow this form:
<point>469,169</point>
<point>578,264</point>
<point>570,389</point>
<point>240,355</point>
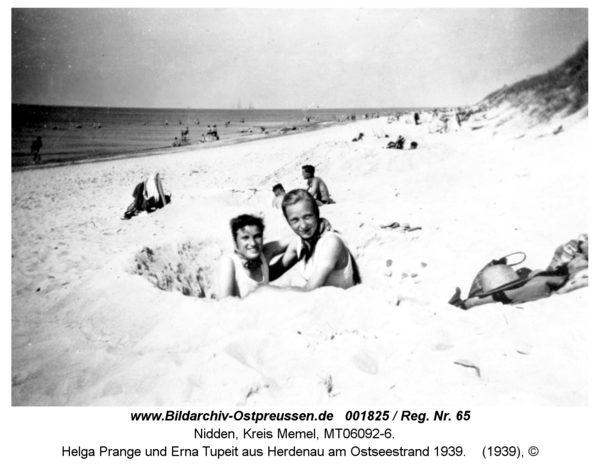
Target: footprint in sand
<point>244,354</point>
<point>365,363</point>
<point>250,355</point>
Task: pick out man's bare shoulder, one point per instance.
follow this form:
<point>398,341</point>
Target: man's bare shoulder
<point>333,243</point>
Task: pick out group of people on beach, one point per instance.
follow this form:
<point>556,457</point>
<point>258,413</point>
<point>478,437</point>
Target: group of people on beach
<point>211,134</point>
<point>326,259</point>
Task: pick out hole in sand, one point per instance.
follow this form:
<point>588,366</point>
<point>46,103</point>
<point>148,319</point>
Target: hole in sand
<point>188,267</point>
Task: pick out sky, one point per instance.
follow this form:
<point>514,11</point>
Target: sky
<point>272,58</point>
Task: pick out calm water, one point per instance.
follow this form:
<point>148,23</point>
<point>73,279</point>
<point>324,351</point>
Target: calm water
<point>70,133</point>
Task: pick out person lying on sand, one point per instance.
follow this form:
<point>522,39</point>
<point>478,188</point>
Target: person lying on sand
<point>327,260</point>
<point>316,186</point>
<point>279,192</point>
<point>567,272</point>
<point>398,144</point>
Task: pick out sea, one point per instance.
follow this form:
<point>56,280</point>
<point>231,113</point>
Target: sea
<point>79,133</point>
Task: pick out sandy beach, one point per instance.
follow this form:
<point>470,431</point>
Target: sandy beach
<point>99,316</point>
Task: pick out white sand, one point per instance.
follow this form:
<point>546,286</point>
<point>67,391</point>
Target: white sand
<point>88,330</point>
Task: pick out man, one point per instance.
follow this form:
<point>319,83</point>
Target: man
<point>316,186</point>
<point>279,192</point>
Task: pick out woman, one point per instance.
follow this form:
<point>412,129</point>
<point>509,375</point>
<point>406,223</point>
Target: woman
<point>247,268</point>
<point>327,260</point>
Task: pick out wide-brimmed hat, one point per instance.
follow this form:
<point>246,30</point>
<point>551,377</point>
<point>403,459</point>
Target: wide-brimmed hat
<point>496,278</point>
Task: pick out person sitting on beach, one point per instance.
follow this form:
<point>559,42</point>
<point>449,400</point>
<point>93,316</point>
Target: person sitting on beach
<point>148,196</point>
<point>279,192</point>
<point>327,260</point>
<point>203,139</point>
<point>176,142</point>
<point>247,268</point>
<point>398,144</point>
<point>36,146</point>
<point>413,145</point>
<point>316,186</point>
<point>359,137</point>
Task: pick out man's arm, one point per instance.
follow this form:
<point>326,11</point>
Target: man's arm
<point>312,187</point>
<point>277,247</point>
<point>284,262</point>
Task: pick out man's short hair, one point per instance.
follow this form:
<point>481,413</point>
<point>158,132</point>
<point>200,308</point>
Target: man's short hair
<point>310,169</point>
<point>278,187</point>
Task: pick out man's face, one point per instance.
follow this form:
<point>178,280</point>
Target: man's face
<point>302,218</point>
<point>306,175</point>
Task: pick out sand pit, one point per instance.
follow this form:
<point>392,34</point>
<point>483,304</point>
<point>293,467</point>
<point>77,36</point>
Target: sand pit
<point>112,312</point>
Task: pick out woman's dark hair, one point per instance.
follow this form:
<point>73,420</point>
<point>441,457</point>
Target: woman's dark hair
<point>244,220</point>
<point>294,196</point>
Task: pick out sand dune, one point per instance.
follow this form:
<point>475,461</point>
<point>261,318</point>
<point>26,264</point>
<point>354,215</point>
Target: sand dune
<point>106,312</point>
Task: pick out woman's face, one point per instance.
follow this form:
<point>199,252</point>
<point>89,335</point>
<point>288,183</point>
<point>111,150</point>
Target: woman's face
<point>302,219</point>
<point>249,241</point>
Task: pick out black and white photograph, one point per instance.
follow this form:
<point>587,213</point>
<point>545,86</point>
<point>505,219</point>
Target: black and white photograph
<point>333,208</point>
